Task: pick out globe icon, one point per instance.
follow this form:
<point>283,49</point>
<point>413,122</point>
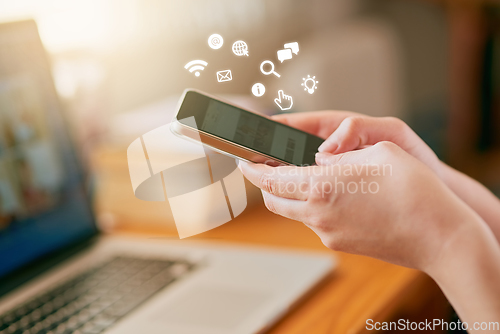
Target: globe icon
<point>240,48</point>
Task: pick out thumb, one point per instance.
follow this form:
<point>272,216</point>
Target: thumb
<point>325,159</point>
<point>357,132</point>
<point>277,101</point>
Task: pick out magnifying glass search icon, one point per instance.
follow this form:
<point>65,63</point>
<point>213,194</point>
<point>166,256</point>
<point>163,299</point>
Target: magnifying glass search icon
<point>268,72</point>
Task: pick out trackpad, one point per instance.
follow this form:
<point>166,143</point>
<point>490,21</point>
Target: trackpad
<point>212,307</point>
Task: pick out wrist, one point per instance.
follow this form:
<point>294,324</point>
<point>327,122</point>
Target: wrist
<point>471,241</point>
<point>468,271</point>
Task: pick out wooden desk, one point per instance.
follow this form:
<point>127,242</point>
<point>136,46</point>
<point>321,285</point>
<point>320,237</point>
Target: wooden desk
<point>361,288</point>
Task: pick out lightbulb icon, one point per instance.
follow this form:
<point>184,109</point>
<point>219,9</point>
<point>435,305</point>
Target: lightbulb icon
<point>310,84</point>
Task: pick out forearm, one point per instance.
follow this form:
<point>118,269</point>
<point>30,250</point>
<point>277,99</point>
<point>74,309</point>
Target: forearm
<point>468,272</point>
<point>475,195</point>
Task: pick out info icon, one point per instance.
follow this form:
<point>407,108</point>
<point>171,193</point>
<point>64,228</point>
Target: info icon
<point>258,89</point>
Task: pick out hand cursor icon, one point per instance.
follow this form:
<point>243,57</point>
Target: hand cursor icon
<point>284,101</point>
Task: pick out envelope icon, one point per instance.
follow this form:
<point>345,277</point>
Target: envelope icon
<point>225,75</point>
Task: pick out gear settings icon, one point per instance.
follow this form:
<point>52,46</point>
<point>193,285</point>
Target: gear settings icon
<point>310,84</point>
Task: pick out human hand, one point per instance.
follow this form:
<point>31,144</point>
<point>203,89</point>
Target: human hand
<point>347,131</point>
<point>404,217</point>
<point>284,101</point>
<point>414,220</point>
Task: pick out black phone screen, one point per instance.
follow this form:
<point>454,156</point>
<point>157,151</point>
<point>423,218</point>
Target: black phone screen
<point>250,130</point>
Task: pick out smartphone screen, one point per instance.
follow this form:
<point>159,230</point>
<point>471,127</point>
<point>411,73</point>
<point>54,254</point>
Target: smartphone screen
<point>250,130</point>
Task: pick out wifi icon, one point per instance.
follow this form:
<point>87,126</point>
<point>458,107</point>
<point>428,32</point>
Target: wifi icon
<point>196,66</point>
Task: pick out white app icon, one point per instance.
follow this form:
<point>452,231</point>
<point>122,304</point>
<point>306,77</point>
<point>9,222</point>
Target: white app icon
<point>223,76</point>
<point>215,41</point>
<point>196,66</point>
<point>258,89</point>
<point>240,48</point>
<point>285,102</point>
<point>287,52</point>
<point>310,84</point>
<point>293,46</point>
<point>271,69</point>
<point>284,55</point>
<point>204,189</point>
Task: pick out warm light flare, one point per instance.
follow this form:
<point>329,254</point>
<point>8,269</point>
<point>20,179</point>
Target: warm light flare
<point>75,24</point>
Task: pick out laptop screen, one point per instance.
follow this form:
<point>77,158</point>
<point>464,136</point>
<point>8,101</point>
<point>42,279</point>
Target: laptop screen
<point>43,207</point>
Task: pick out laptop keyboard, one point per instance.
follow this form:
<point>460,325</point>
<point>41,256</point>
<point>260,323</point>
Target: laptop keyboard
<point>94,300</point>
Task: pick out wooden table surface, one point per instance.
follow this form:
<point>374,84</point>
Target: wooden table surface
<point>360,288</point>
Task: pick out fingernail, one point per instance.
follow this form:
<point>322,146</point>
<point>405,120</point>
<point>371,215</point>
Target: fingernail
<point>321,158</point>
<point>324,147</point>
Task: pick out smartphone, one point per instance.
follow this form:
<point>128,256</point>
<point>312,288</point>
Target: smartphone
<point>241,133</point>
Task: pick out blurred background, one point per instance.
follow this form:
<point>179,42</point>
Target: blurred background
<point>119,67</point>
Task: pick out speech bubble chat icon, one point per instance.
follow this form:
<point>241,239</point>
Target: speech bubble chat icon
<point>284,55</point>
<point>294,46</point>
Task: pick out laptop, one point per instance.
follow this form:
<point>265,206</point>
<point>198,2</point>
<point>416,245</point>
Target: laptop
<point>59,275</point>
